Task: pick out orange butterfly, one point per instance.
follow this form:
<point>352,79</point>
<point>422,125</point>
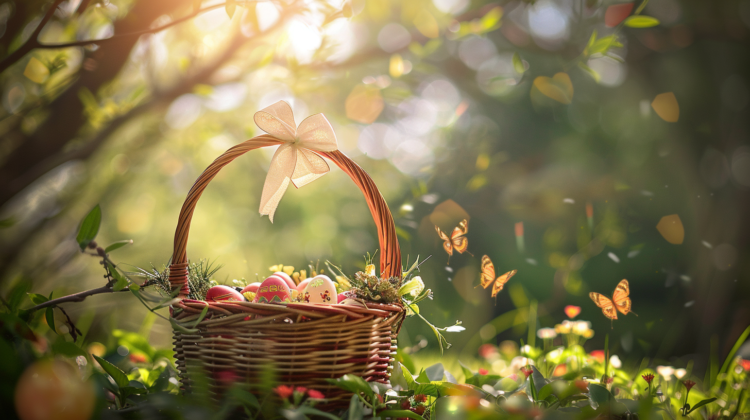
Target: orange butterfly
<point>620,301</point>
<point>488,276</point>
<point>458,240</point>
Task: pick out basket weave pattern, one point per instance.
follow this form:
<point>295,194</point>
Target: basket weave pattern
<point>306,343</point>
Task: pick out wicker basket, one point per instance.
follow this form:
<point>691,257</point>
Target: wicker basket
<point>306,343</point>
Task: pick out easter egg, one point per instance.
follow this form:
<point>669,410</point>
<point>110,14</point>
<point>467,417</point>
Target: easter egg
<point>320,290</point>
<point>252,287</point>
<point>273,290</point>
<point>223,294</point>
<point>345,295</point>
<point>301,286</point>
<point>287,279</point>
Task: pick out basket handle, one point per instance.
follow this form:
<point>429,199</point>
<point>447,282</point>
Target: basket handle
<point>390,253</point>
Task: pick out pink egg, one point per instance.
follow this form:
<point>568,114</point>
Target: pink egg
<point>345,295</point>
<point>321,289</point>
<point>287,279</point>
<point>301,286</point>
<point>223,294</point>
<point>252,287</point>
<point>272,290</point>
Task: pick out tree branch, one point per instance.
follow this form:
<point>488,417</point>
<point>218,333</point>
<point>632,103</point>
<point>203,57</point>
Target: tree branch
<point>75,297</point>
<point>30,43</point>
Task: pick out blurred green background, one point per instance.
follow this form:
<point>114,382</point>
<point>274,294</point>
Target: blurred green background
<point>427,97</point>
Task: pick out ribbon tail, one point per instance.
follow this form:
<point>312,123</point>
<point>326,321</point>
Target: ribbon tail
<point>309,167</point>
<point>279,175</point>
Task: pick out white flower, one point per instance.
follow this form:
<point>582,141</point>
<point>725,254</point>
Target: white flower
<point>546,333</point>
<point>665,371</point>
<point>679,373</point>
<point>615,362</point>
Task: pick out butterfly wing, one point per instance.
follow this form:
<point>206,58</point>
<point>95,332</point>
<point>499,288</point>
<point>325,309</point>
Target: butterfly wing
<point>500,282</point>
<point>488,272</point>
<point>458,237</point>
<point>621,297</point>
<point>608,308</point>
<point>447,246</point>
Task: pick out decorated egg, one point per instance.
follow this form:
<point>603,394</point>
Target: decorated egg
<point>345,295</point>
<point>223,294</point>
<point>320,290</point>
<point>301,286</point>
<point>289,282</point>
<point>272,290</point>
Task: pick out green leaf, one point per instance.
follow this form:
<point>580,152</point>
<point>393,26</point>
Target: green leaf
<point>311,411</point>
<point>737,345</point>
<point>117,245</point>
<point>701,404</point>
<point>37,299</point>
<point>127,391</point>
<point>394,414</point>
<point>50,315</point>
<point>545,392</point>
<point>89,227</point>
<point>201,316</point>
<point>518,63</point>
<point>353,383</point>
<point>356,409</point>
<point>599,394</point>
<point>15,297</point>
<point>244,398</point>
<point>121,379</point>
<point>491,20</point>
<point>36,71</point>
<point>180,328</point>
<point>641,22</point>
<point>120,281</point>
<point>67,349</point>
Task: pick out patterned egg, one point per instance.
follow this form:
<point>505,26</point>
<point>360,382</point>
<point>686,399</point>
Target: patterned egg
<point>250,290</point>
<point>289,282</point>
<point>223,294</point>
<point>272,290</point>
<point>345,295</point>
<point>320,290</point>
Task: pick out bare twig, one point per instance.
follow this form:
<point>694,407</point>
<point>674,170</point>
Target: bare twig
<point>75,297</point>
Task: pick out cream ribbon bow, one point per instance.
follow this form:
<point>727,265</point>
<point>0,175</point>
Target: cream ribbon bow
<point>294,160</point>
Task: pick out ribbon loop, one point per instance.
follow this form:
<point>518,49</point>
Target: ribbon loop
<point>295,160</point>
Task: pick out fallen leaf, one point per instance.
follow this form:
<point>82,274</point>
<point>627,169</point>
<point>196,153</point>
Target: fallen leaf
<point>666,106</point>
<point>671,229</point>
<point>558,87</point>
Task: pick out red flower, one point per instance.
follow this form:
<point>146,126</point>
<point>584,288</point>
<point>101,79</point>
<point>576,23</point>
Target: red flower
<point>301,389</point>
<point>527,371</point>
<point>582,385</point>
<point>745,364</point>
<point>420,398</point>
<point>483,371</point>
<point>284,391</point>
<point>137,358</point>
<point>689,384</point>
<point>648,378</point>
<point>607,380</point>
<point>316,395</point>
<point>572,311</point>
<point>419,409</point>
<point>487,350</point>
<point>598,355</point>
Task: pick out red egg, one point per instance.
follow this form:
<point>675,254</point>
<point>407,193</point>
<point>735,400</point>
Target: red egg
<point>223,294</point>
<point>273,290</point>
<point>301,286</point>
<point>287,279</point>
<point>252,287</point>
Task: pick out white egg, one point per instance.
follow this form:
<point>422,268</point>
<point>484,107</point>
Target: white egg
<point>321,289</point>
